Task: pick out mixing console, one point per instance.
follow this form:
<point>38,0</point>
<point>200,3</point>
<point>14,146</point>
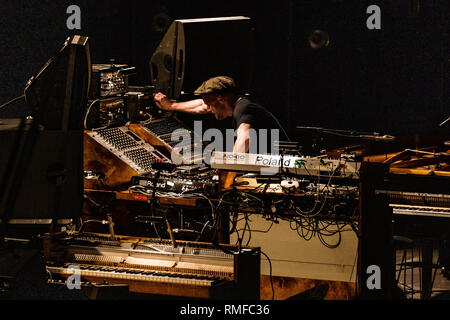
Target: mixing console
<point>130,148</point>
<point>188,149</point>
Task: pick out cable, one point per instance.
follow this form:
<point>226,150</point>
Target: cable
<point>307,223</point>
<point>84,223</point>
<point>12,101</point>
<point>330,246</point>
<point>149,120</point>
<point>265,231</point>
<point>88,111</point>
<point>203,230</point>
<point>354,265</point>
<point>247,225</point>
<point>270,274</point>
<point>281,127</point>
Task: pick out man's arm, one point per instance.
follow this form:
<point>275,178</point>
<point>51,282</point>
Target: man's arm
<point>196,106</point>
<point>243,139</point>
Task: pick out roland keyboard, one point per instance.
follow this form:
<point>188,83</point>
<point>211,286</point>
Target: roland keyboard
<point>343,167</point>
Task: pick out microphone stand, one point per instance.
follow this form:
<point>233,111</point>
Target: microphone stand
<point>339,132</point>
<point>375,136</point>
<point>447,143</point>
<point>444,122</point>
<point>153,209</point>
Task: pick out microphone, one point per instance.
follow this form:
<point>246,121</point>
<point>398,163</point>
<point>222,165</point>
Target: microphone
<point>378,138</point>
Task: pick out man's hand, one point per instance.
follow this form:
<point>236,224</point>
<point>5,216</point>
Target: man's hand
<point>196,106</point>
<point>163,102</point>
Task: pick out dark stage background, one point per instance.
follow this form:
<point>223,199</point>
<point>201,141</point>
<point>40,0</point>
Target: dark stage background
<point>392,81</point>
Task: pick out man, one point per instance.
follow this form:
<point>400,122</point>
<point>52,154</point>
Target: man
<point>220,97</point>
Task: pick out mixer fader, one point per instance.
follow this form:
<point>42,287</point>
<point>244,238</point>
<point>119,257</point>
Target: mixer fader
<point>177,138</point>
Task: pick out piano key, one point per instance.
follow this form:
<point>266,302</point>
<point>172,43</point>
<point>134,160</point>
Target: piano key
<point>402,209</point>
<point>129,274</point>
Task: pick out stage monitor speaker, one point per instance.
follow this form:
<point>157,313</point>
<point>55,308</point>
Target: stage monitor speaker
<point>41,161</point>
<point>194,50</point>
<point>47,170</point>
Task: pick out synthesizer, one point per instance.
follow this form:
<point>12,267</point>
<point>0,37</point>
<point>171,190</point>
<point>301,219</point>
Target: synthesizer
<point>206,183</point>
<point>343,167</point>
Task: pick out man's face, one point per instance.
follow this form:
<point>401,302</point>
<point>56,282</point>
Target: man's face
<point>216,104</point>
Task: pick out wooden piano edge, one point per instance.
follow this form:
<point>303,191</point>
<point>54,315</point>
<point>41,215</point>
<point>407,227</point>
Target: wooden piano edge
<point>389,158</point>
<point>423,172</point>
<point>221,290</point>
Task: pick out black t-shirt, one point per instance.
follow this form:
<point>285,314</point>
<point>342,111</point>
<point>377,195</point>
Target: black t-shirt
<point>260,120</point>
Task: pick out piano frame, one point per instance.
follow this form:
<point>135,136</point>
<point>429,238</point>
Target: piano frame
<point>242,283</point>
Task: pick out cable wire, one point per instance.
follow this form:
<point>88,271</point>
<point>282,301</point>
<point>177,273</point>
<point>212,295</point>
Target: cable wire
<point>270,274</point>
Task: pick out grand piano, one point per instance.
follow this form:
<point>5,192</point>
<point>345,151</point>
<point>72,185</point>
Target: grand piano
<point>404,194</point>
<point>155,267</point>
